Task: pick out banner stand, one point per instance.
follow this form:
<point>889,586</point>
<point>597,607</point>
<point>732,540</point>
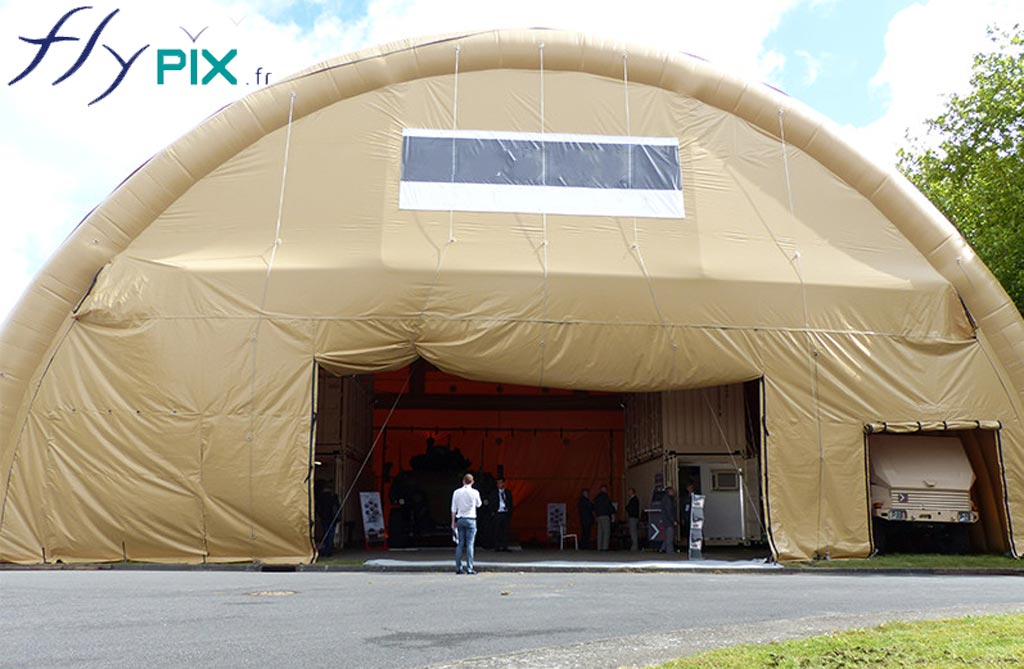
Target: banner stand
<point>374,535</point>
<point>696,542</point>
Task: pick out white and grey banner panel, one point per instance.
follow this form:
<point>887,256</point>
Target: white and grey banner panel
<point>541,173</point>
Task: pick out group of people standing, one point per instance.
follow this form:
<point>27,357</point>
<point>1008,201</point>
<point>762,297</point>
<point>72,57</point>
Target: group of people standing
<point>602,509</point>
<point>466,500</point>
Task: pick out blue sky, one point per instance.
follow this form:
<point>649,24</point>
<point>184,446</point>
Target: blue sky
<point>876,68</point>
<point>304,14</point>
<point>832,52</point>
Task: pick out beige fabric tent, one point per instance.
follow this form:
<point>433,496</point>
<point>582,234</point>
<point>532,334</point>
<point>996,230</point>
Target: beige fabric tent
<point>156,378</point>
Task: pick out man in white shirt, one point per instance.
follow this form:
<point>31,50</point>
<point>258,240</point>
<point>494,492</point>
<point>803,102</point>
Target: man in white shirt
<point>465,502</point>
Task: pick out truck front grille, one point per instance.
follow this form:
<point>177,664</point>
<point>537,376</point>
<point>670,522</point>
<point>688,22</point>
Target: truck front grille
<point>938,500</point>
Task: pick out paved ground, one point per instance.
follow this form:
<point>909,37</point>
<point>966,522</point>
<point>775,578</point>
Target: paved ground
<point>534,559</point>
<point>232,619</point>
<point>534,555</point>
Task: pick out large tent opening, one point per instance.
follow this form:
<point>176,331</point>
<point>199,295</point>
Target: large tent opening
<point>938,490</point>
<point>431,428</point>
<point>409,436</point>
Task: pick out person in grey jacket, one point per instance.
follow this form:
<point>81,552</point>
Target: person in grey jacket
<point>669,516</point>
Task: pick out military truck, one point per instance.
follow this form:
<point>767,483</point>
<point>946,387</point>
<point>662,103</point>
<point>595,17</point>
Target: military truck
<point>921,493</point>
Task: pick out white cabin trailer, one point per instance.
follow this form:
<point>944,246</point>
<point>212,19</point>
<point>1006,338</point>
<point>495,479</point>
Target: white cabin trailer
<point>710,437</point>
<point>731,501</point>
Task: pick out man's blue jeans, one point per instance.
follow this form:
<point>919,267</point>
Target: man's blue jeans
<point>467,535</point>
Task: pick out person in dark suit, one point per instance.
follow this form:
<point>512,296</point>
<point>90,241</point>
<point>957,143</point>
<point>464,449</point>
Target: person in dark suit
<point>633,513</point>
<point>586,510</point>
<point>605,512</point>
<point>327,513</point>
<point>502,501</point>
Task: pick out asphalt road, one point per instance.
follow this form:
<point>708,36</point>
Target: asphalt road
<point>248,619</point>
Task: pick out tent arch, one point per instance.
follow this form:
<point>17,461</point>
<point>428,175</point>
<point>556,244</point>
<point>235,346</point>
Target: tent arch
<point>35,328</point>
<point>109,228</point>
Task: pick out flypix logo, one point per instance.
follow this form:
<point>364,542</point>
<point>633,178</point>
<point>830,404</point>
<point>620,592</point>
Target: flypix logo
<point>169,62</point>
<point>55,37</point>
<point>176,59</point>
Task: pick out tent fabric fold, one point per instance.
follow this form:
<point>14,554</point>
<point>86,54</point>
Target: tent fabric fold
<point>931,426</point>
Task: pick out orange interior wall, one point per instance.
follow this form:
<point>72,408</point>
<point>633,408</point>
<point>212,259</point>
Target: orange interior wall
<point>548,456</point>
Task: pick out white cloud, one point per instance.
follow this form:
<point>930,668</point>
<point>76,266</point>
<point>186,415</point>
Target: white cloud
<point>813,67</point>
<point>37,192</point>
<point>706,29</point>
<point>929,49</point>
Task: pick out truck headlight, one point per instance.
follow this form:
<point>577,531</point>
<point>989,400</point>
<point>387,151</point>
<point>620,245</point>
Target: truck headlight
<point>898,514</point>
<point>964,516</point>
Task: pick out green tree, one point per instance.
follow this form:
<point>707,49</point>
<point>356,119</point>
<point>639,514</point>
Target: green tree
<point>970,162</point>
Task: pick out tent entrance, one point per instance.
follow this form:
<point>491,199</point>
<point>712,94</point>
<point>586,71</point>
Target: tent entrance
<point>432,427</point>
<point>937,488</point>
<point>548,444</point>
<point>344,415</point>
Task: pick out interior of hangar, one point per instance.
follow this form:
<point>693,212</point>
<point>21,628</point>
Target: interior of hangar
<point>547,445</point>
<point>524,208</point>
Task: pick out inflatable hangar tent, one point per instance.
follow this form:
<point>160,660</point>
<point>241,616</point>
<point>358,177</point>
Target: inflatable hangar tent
<point>534,208</point>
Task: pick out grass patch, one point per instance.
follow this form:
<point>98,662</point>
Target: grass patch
<point>983,641</point>
<point>916,561</point>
